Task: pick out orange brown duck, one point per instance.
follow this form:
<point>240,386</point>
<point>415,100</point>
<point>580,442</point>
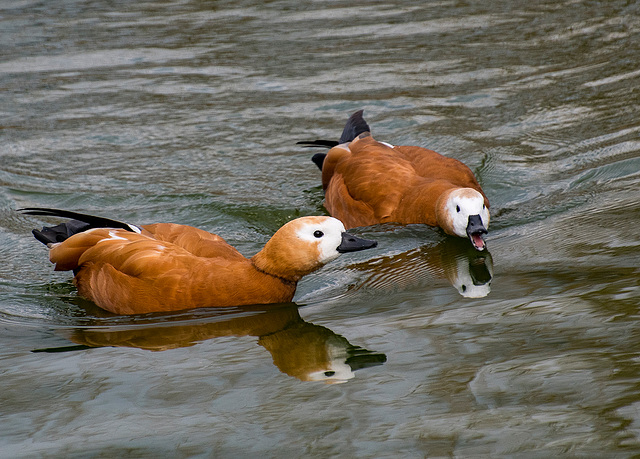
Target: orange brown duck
<point>368,182</point>
<point>129,269</point>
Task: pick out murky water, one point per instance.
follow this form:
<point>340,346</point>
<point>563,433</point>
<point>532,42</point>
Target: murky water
<point>189,112</point>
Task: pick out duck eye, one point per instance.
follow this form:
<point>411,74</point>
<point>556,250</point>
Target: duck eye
<point>464,288</point>
<point>329,374</point>
<point>318,233</point>
<point>457,208</point>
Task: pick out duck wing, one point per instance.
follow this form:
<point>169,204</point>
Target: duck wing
<point>366,186</point>
<point>431,165</point>
<point>196,241</point>
<point>128,273</point>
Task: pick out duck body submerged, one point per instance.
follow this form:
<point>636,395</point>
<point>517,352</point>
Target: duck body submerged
<point>128,269</point>
<point>367,182</point>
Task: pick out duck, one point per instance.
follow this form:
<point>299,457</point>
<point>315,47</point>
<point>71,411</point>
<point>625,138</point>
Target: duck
<point>130,269</point>
<point>367,182</point>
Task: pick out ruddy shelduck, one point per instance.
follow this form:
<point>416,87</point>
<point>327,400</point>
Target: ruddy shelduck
<point>368,182</point>
<point>130,269</point>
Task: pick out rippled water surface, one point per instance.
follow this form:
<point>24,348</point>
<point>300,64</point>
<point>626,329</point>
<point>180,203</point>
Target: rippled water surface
<point>189,112</point>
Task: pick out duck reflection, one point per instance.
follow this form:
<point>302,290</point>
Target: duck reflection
<point>300,349</point>
<point>468,270</point>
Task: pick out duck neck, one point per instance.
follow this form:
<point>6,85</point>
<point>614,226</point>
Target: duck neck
<point>418,204</point>
<point>275,266</point>
<point>264,268</point>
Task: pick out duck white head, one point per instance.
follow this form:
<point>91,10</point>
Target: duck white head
<point>462,212</point>
<point>306,244</point>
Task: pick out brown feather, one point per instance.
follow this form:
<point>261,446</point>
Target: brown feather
<point>368,182</point>
<point>172,267</point>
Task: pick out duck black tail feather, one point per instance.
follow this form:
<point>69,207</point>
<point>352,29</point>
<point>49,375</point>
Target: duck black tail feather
<point>355,126</point>
<point>79,223</point>
<point>318,143</point>
<point>318,159</point>
<point>52,234</point>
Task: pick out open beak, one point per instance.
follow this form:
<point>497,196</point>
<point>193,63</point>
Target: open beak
<point>351,243</point>
<point>476,232</point>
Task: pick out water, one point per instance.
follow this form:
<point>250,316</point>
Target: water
<point>189,112</point>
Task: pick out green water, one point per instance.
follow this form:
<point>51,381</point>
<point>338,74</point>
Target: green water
<point>189,112</point>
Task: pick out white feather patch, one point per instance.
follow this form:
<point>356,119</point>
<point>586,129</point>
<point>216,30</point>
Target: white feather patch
<point>112,237</point>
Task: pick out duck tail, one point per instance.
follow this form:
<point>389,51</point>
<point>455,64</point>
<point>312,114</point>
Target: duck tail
<point>355,126</point>
<point>79,222</point>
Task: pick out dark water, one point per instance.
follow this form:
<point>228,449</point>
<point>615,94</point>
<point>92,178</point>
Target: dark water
<point>189,112</point>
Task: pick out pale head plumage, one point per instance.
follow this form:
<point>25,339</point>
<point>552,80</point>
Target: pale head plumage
<point>325,233</point>
<point>461,204</point>
<point>301,246</point>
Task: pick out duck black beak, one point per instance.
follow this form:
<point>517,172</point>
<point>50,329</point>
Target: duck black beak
<point>476,232</point>
<point>351,243</point>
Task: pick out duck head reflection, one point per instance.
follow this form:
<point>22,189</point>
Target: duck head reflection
<point>298,348</point>
<point>468,270</point>
<point>472,275</point>
<point>313,353</point>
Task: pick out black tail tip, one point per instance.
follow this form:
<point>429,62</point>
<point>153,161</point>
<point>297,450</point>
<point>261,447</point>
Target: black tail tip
<point>318,159</point>
<point>59,233</point>
<point>44,238</point>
